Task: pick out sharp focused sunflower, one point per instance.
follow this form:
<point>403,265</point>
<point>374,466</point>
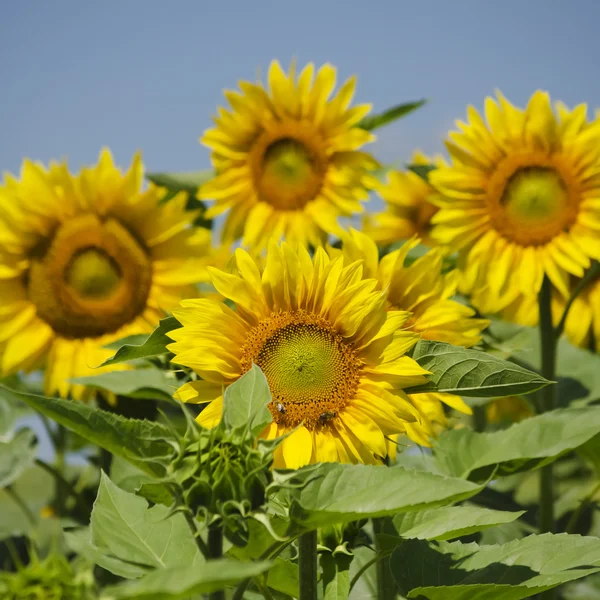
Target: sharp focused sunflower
<point>334,357</point>
<point>520,200</point>
<point>408,209</point>
<point>426,293</point>
<point>287,160</point>
<point>86,260</point>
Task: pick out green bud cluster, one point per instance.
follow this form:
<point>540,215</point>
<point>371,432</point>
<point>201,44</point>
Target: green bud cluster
<point>53,578</point>
<point>224,477</point>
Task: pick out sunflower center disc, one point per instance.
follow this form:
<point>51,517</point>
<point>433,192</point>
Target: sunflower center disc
<point>288,170</point>
<point>535,196</point>
<point>93,274</point>
<point>91,278</point>
<point>312,372</point>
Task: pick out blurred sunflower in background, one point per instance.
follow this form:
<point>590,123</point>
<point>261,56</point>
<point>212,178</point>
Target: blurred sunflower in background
<point>408,208</point>
<point>426,293</point>
<point>287,158</point>
<point>86,260</point>
<point>520,199</point>
<point>333,355</point>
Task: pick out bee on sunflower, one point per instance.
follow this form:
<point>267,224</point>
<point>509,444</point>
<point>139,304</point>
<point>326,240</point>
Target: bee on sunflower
<point>333,354</point>
<point>86,260</point>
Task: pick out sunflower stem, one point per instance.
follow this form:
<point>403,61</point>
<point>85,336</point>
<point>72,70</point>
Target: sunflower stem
<point>548,340</point>
<point>307,565</point>
<point>215,548</point>
<point>386,586</point>
<point>60,492</point>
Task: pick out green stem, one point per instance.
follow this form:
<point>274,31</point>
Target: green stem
<point>590,276</point>
<point>479,418</point>
<point>204,550</point>
<point>264,589</point>
<point>21,504</point>
<point>582,506</point>
<point>547,402</point>
<point>215,550</point>
<point>60,445</point>
<point>386,586</point>
<point>366,566</point>
<point>307,565</point>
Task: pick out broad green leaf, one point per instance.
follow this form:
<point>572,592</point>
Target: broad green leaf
<point>518,569</point>
<point>471,372</point>
<point>181,182</point>
<point>526,445</point>
<point>578,370</point>
<point>366,585</point>
<point>260,538</point>
<point>136,339</point>
<point>390,115</point>
<point>450,522</point>
<point>182,582</point>
<point>123,526</point>
<point>336,575</point>
<point>7,418</point>
<point>143,443</point>
<point>155,345</point>
<point>16,455</point>
<point>147,384</point>
<point>284,577</point>
<point>245,403</point>
<point>80,542</point>
<point>35,488</point>
<point>336,493</point>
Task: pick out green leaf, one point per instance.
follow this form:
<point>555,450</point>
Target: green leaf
<point>182,582</point>
<point>471,373</point>
<point>136,339</point>
<point>450,522</point>
<point>181,182</point>
<point>422,170</point>
<point>518,569</point>
<point>80,542</point>
<point>16,455</point>
<point>336,575</point>
<point>155,345</point>
<point>578,370</point>
<point>284,577</point>
<point>336,493</point>
<point>245,403</point>
<point>124,527</point>
<point>147,384</point>
<point>390,115</point>
<point>143,443</point>
<point>526,445</point>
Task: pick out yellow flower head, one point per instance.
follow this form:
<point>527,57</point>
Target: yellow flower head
<point>287,160</point>
<point>334,357</point>
<point>426,293</point>
<point>409,209</point>
<point>86,260</point>
<point>520,200</point>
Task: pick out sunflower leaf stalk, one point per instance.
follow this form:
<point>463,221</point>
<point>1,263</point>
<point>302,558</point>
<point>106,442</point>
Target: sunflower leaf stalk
<point>547,402</point>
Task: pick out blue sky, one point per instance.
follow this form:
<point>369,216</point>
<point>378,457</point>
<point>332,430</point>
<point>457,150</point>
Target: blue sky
<point>149,74</point>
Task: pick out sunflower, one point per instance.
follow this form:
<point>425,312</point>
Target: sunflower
<point>86,260</point>
<point>287,160</point>
<point>520,200</point>
<point>426,293</point>
<point>333,356</point>
<point>408,209</point>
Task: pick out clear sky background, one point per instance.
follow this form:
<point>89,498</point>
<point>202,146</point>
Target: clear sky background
<point>148,74</point>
